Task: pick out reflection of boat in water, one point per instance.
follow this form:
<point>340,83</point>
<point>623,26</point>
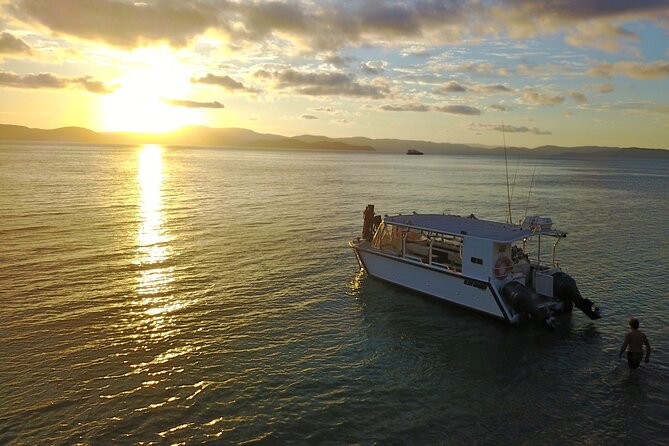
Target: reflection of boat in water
<point>414,152</point>
<point>484,265</point>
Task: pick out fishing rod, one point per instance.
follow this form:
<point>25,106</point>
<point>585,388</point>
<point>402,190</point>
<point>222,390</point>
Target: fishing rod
<point>508,189</point>
<point>530,191</point>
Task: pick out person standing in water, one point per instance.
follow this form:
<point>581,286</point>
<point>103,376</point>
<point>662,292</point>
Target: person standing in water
<point>635,340</point>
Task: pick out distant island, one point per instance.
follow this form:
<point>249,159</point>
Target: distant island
<point>197,136</point>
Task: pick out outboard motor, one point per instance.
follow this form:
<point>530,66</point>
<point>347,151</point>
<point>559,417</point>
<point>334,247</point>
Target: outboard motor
<point>521,299</point>
<point>564,287</point>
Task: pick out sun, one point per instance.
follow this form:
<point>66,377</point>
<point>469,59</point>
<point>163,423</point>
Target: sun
<point>138,105</point>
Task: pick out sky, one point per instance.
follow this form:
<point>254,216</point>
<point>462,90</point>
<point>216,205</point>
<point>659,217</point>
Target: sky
<point>559,72</point>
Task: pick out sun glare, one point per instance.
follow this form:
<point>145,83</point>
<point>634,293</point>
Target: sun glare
<point>138,103</point>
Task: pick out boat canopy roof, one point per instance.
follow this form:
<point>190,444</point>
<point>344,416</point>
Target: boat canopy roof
<point>467,226</point>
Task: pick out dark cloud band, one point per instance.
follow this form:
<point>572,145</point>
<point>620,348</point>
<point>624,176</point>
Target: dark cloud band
<point>192,104</point>
<point>50,80</point>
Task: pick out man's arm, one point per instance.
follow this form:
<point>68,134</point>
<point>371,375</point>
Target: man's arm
<point>625,344</point>
<point>645,341</point>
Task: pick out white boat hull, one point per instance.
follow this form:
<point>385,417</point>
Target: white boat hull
<point>434,281</point>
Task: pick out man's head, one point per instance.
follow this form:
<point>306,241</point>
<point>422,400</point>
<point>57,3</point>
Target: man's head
<point>634,323</point>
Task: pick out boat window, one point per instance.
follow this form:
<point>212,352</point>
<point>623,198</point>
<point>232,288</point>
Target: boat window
<point>388,238</point>
<point>417,245</point>
<point>416,236</point>
<point>446,250</point>
<point>477,260</point>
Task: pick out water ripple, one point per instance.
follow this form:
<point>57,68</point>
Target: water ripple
<point>183,296</point>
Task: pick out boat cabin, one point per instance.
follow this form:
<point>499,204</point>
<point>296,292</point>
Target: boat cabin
<point>496,268</point>
<point>479,249</point>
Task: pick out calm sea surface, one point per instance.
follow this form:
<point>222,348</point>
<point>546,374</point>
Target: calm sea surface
<point>154,295</point>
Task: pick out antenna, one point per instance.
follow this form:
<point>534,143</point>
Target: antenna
<point>530,191</point>
<point>508,190</point>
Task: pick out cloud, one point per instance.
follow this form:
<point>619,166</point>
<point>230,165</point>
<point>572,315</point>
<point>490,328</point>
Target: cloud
<point>373,67</point>
<point>330,110</point>
<point>54,81</point>
<point>484,69</point>
<point>329,83</point>
<point>192,104</point>
<point>458,109</point>
<point>598,8</point>
<point>225,82</point>
<point>305,116</point>
<point>339,61</point>
<point>328,25</point>
<point>263,18</point>
<point>658,69</point>
<point>492,89</point>
<point>13,45</point>
<point>509,129</point>
<point>578,97</point>
<point>648,108</point>
<point>92,85</point>
<point>546,70</point>
<point>500,107</point>
<point>481,89</point>
<point>405,108</point>
<point>602,69</point>
<point>600,88</point>
<point>532,96</point>
<point>604,36</point>
<point>43,80</point>
<point>416,51</point>
<point>121,23</point>
<point>528,18</point>
<point>450,87</point>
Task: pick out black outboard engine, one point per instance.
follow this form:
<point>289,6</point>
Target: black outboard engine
<point>564,287</point>
<point>521,299</point>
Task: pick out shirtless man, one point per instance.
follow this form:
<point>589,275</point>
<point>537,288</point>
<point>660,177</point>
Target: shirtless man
<point>635,339</point>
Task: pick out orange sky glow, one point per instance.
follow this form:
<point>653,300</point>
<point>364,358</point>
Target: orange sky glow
<point>568,73</point>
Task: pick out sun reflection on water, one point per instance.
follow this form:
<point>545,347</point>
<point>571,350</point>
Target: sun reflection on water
<point>355,284</point>
<point>151,238</point>
<point>156,277</point>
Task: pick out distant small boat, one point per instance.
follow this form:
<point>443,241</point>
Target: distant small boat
<point>414,152</point>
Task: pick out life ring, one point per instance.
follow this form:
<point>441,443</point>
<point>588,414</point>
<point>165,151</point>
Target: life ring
<point>503,266</point>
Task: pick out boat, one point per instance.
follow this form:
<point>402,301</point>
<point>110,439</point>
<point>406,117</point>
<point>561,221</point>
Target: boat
<point>501,269</point>
<point>414,152</point>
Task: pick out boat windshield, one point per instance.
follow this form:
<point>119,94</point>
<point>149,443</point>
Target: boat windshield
<point>388,238</point>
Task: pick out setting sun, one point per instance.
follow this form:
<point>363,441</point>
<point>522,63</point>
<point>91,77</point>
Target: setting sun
<point>139,103</point>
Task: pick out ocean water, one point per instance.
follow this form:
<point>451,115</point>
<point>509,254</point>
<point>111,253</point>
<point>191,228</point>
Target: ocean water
<point>155,295</point>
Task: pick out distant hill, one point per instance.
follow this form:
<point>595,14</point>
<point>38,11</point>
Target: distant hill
<point>187,136</point>
<point>20,133</point>
<point>237,137</point>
